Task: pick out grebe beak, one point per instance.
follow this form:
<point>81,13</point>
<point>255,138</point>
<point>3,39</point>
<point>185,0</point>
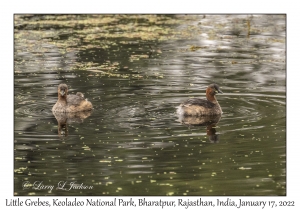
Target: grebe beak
<point>219,91</point>
<point>62,93</point>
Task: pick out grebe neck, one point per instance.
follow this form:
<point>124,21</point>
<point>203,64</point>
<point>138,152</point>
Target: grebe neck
<point>210,96</point>
<point>62,99</point>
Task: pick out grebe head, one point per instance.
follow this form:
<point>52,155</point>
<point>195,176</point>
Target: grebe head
<point>62,90</point>
<point>211,91</point>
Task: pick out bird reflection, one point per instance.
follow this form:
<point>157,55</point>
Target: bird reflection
<point>209,121</point>
<point>65,118</point>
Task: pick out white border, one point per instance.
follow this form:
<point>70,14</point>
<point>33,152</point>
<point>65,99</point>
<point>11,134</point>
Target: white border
<point>153,6</point>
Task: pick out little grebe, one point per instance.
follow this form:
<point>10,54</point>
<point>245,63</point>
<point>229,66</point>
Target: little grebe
<point>70,103</point>
<point>199,107</point>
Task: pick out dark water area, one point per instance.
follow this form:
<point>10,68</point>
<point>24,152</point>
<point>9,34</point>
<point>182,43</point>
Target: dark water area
<point>136,69</point>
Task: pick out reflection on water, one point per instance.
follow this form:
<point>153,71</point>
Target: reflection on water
<point>63,119</point>
<point>136,69</point>
<point>210,121</point>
